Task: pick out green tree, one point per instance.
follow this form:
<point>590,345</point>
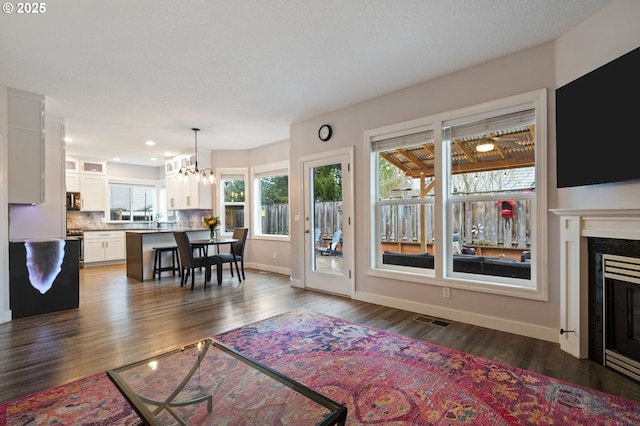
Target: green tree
<point>234,190</point>
<point>274,190</point>
<point>328,183</point>
<point>389,178</point>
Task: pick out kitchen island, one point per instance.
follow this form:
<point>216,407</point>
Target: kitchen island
<point>139,248</point>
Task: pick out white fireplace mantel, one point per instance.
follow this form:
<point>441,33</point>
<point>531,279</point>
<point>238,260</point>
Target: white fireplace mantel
<point>576,225</point>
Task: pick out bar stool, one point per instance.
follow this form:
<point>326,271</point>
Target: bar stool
<point>157,261</point>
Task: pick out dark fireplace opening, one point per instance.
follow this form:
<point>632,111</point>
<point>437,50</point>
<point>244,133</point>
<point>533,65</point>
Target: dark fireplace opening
<point>622,314</point>
<point>614,317</point>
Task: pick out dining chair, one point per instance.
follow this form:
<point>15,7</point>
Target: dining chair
<point>236,248</point>
<point>189,262</point>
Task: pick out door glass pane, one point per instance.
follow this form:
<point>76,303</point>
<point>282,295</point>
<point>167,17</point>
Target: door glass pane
<point>327,218</point>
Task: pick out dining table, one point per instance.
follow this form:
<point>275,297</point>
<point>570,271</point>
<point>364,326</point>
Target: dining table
<point>205,243</point>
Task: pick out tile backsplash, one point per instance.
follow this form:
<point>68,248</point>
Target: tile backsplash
<point>189,219</point>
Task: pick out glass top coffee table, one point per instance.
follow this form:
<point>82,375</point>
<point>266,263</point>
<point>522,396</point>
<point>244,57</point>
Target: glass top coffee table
<point>209,383</point>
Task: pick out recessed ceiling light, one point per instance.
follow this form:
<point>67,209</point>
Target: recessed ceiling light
<point>150,143</point>
<point>154,159</point>
<point>168,154</point>
<point>68,140</point>
<point>116,159</point>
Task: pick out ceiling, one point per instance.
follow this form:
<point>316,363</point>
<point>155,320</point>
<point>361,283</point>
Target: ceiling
<point>122,72</point>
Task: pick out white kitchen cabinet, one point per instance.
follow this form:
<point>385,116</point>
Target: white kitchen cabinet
<point>174,192</point>
<point>191,195</point>
<point>93,167</point>
<point>102,246</point>
<point>89,178</point>
<point>72,165</point>
<point>25,147</point>
<point>72,174</point>
<point>72,182</point>
<point>93,192</point>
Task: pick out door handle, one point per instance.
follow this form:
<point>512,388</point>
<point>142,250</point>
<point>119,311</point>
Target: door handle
<point>306,231</point>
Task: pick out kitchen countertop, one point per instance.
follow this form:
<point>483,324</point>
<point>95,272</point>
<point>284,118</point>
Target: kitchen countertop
<point>144,230</point>
<point>163,230</point>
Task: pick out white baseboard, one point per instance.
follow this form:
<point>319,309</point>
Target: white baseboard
<point>6,316</point>
<point>104,263</point>
<point>522,329</point>
<point>296,283</point>
<point>268,268</point>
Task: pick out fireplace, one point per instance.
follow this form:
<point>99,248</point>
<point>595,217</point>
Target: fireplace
<point>587,236</point>
<point>621,315</point>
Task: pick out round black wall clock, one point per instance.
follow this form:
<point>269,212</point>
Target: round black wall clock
<point>324,133</point>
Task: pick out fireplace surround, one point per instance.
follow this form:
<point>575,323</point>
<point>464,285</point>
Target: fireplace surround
<point>580,332</point>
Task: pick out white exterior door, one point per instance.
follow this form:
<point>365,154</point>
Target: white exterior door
<point>328,198</point>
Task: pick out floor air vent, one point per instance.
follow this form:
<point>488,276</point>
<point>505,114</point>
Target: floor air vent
<point>427,320</point>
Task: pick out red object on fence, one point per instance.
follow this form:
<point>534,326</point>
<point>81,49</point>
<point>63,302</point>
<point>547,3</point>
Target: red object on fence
<point>507,208</point>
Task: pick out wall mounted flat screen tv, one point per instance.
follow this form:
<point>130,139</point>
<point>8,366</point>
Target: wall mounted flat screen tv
<point>598,125</point>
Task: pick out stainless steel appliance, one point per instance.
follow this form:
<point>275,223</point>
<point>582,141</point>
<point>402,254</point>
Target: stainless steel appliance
<point>79,235</point>
<point>73,201</point>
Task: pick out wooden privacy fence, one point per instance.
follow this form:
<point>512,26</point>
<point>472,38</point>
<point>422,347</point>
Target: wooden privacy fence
<point>328,217</point>
<point>275,219</point>
<point>478,222</point>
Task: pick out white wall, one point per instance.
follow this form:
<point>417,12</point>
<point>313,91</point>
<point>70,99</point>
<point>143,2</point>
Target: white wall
<point>611,32</point>
<point>130,171</point>
<point>258,252</point>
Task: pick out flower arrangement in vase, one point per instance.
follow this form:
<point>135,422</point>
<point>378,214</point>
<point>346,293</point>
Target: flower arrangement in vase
<point>212,223</point>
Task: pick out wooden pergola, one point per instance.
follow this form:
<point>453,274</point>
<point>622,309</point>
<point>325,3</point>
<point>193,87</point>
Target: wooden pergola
<point>512,149</point>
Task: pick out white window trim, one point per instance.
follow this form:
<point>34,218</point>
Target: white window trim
<point>136,182</point>
<point>508,287</point>
<point>220,175</point>
<point>264,170</point>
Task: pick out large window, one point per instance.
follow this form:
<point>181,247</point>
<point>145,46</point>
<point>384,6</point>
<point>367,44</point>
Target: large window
<point>456,200</point>
<point>405,194</point>
<point>271,200</point>
<point>132,203</point>
<point>232,190</point>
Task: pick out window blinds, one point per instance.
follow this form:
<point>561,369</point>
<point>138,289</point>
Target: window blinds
<point>402,141</point>
<point>512,120</point>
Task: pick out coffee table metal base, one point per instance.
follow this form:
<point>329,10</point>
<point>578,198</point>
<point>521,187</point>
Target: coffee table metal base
<point>174,387</point>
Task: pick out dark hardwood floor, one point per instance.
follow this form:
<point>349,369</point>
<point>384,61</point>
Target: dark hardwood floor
<point>120,321</point>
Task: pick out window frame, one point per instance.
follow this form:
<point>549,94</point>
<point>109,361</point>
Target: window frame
<point>223,174</point>
<point>441,275</point>
<point>258,172</point>
<point>132,183</point>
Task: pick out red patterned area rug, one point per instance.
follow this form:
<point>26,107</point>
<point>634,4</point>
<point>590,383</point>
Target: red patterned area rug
<point>93,400</point>
<point>383,378</point>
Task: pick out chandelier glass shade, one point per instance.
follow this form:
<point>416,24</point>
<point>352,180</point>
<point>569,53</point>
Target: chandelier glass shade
<point>204,176</point>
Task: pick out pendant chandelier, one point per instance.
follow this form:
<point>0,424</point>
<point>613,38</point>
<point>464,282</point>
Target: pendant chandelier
<point>205,176</point>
